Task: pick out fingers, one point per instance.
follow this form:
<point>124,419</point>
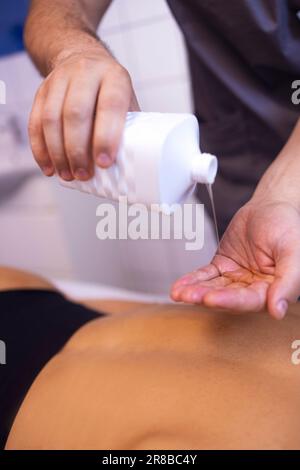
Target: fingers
<point>195,293</point>
<point>286,285</point>
<point>53,126</point>
<point>181,286</point>
<point>78,116</point>
<point>220,292</point>
<point>235,291</point>
<point>36,135</point>
<point>238,299</point>
<point>113,104</point>
<point>192,287</point>
<point>204,274</point>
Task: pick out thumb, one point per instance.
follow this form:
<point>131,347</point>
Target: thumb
<point>286,286</point>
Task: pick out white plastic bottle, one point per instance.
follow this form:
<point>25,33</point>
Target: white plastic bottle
<point>159,162</point>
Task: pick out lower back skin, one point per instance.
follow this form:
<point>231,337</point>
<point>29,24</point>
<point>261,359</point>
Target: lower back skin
<point>164,376</point>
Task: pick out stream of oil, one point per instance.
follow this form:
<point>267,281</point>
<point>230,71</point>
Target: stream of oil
<point>211,197</point>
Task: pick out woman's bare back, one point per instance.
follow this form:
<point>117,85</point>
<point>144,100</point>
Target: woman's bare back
<point>168,377</point>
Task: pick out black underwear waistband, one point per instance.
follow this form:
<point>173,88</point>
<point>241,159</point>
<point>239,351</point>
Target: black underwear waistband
<point>34,326</point>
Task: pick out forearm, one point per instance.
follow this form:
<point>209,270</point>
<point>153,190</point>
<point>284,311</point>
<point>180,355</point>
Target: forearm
<point>282,179</point>
<point>70,27</point>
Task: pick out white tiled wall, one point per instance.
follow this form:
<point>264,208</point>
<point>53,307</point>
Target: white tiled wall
<point>51,230</point>
<point>145,39</point>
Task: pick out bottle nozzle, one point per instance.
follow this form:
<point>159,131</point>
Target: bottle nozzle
<point>204,168</point>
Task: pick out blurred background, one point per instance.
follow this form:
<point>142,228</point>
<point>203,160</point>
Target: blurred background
<point>51,230</point>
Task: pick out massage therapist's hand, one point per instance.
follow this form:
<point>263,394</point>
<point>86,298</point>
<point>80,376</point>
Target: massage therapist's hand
<point>79,113</point>
<point>257,266</point>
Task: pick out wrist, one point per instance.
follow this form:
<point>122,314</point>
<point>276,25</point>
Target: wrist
<point>281,182</point>
<point>87,47</point>
<point>268,192</point>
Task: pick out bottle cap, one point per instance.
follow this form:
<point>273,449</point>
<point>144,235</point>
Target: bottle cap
<point>204,168</point>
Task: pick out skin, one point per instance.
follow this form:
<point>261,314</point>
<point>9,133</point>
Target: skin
<point>78,118</point>
<point>165,376</point>
<point>257,266</point>
<point>254,268</point>
<point>79,111</point>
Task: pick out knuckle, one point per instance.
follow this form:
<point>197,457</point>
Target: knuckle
<point>75,112</point>
<point>124,77</point>
<point>115,72</point>
<point>59,73</point>
<point>121,71</point>
<point>82,63</point>
<point>85,64</point>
